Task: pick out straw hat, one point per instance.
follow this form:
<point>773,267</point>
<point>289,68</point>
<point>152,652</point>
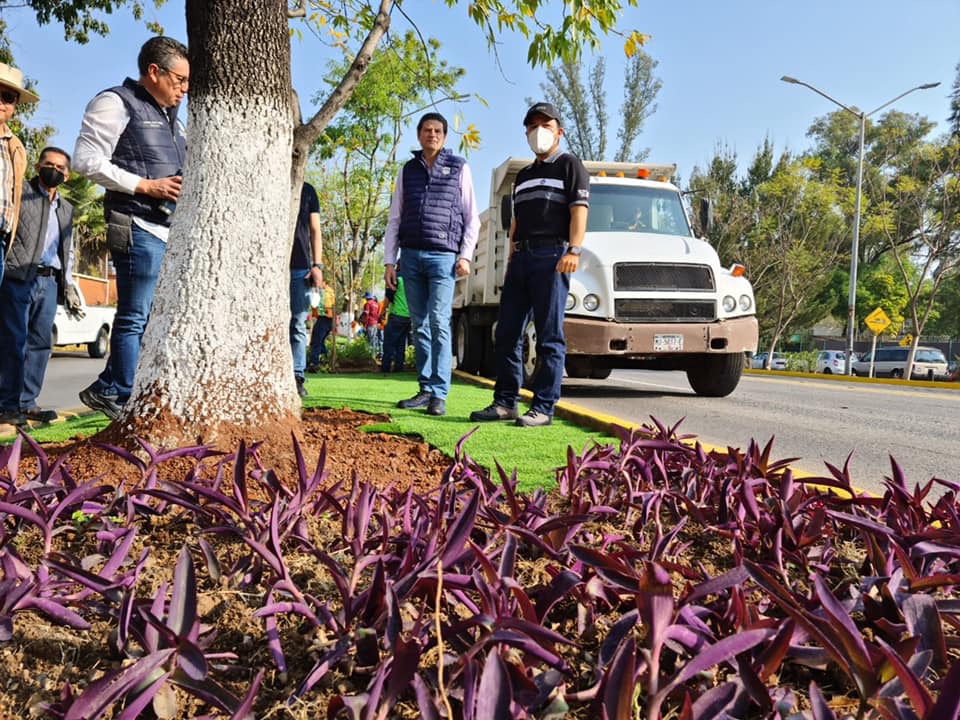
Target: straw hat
<point>11,77</point>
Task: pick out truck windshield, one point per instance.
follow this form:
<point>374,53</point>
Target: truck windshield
<point>630,208</point>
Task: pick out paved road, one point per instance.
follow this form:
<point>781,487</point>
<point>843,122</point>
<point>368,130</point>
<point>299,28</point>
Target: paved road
<point>816,420</point>
<point>67,374</point>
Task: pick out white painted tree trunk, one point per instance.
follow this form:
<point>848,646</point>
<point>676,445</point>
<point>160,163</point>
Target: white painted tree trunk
<point>216,352</point>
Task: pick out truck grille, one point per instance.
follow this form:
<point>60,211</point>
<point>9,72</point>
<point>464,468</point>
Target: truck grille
<point>662,276</point>
<point>640,310</point>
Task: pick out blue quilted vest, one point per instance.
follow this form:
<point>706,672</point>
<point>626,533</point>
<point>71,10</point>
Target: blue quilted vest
<point>153,145</point>
<point>432,216</point>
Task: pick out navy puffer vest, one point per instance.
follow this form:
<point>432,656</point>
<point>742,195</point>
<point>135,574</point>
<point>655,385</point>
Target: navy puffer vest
<point>153,145</point>
<point>432,217</point>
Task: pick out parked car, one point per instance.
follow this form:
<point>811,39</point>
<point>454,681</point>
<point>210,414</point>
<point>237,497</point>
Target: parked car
<point>92,330</point>
<point>759,361</point>
<point>928,364</point>
<point>832,362</point>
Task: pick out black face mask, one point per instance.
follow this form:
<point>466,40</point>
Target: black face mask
<point>50,177</point>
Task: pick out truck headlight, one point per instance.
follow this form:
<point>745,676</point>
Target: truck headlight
<point>729,303</point>
<point>571,302</point>
<point>591,302</point>
<point>745,302</point>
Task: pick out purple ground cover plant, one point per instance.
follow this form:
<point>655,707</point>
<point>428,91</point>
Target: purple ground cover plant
<point>658,580</point>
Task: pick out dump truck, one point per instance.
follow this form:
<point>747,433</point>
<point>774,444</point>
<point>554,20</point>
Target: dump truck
<point>648,293</point>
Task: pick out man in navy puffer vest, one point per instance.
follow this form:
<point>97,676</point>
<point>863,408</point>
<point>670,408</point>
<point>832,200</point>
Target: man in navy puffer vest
<point>132,144</point>
<point>434,224</point>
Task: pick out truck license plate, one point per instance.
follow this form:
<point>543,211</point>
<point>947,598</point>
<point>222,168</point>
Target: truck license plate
<point>667,343</point>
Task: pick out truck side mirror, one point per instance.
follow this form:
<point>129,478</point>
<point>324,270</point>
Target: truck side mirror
<point>506,212</point>
<point>706,215</point>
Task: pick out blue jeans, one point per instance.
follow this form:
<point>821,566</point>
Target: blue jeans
<point>137,272</point>
<point>25,325</point>
<point>428,279</point>
<point>395,336</point>
<point>318,339</point>
<point>372,334</point>
<point>533,284</point>
<point>299,309</point>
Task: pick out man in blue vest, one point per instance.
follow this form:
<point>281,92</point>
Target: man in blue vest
<point>434,223</point>
<point>132,144</point>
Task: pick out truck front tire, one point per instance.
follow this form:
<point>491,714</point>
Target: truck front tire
<point>468,345</point>
<point>716,375</point>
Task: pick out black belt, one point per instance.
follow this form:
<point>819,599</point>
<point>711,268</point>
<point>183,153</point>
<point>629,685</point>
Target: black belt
<point>46,270</point>
<point>534,243</point>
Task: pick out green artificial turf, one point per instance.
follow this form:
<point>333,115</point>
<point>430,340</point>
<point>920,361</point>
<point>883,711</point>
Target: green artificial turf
<point>533,452</point>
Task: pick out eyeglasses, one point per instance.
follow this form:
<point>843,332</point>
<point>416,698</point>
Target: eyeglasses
<point>183,80</point>
<point>9,97</point>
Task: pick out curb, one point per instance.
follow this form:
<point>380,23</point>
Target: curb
<point>937,384</point>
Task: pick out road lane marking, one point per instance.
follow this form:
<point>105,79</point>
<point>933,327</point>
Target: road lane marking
<point>944,394</point>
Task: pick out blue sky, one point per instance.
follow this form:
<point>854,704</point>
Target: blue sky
<point>720,64</point>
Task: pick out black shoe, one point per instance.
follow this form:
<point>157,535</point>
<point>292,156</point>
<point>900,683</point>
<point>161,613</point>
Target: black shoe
<point>109,406</point>
<point>494,412</point>
<point>436,406</point>
<point>313,369</point>
<point>532,418</point>
<point>39,415</point>
<point>12,417</point>
<point>419,400</point>
<point>301,390</point>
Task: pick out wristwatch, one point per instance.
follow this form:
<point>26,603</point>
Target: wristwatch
<point>574,250</point>
<point>319,266</point>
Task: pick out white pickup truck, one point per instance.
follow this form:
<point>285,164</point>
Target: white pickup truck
<point>92,330</point>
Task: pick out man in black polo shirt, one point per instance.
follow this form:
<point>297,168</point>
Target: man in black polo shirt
<point>550,201</point>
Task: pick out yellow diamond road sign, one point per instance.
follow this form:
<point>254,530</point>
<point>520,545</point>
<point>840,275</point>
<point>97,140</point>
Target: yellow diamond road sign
<point>877,321</point>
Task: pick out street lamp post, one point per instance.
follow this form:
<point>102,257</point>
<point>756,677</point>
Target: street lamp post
<point>855,246</point>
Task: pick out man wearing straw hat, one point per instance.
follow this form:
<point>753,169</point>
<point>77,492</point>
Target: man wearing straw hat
<point>13,156</point>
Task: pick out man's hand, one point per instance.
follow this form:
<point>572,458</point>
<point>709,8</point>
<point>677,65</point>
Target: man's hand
<point>462,268</point>
<point>568,263</point>
<point>316,277</point>
<point>73,303</point>
<point>167,188</point>
<point>390,276</point>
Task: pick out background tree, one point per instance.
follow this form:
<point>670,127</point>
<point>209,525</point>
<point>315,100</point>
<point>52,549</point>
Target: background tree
<point>793,247</point>
<point>954,118</point>
<point>89,226</point>
<point>583,106</point>
<point>919,218</point>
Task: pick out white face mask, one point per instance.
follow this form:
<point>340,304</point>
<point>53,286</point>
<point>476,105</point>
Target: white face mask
<point>540,139</point>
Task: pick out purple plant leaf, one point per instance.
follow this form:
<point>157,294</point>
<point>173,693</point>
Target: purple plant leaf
<point>459,532</point>
<point>720,651</point>
<point>406,658</point>
<point>182,613</point>
<point>947,706</point>
<point>618,631</point>
<point>57,612</point>
<point>619,682</point>
<point>109,588</point>
<point>559,588</point>
<point>210,558</point>
<point>714,586</point>
<point>534,630</point>
<point>847,633</point>
<point>103,693</point>
<point>508,556</point>
<point>320,669</point>
<point>135,707</point>
<point>425,699</point>
<point>191,660</point>
<point>607,567</point>
<point>493,697</point>
<point>913,686</point>
<point>530,646</point>
<point>207,690</point>
<point>715,702</point>
<point>244,710</point>
<point>818,704</point>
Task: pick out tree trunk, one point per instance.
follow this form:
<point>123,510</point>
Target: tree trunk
<point>216,353</point>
